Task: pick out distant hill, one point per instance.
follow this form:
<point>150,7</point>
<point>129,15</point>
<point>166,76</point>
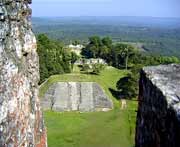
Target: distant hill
<point>157,35</point>
<point>111,20</point>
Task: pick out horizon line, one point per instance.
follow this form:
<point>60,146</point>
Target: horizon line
<point>172,17</point>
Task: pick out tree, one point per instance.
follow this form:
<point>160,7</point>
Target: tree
<point>53,58</point>
<point>88,51</point>
<point>85,68</point>
<point>97,48</point>
<point>97,68</point>
<point>121,53</point>
<point>107,41</point>
<point>76,42</point>
<point>128,86</point>
<point>104,52</point>
<point>95,40</point>
<point>74,58</point>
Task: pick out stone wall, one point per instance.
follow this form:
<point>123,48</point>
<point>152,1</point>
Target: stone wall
<point>75,96</point>
<point>21,122</point>
<point>158,119</point>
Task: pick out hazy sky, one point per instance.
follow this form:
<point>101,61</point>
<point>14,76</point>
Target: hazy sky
<point>155,8</point>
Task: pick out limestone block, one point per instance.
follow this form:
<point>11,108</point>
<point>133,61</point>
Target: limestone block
<point>21,120</point>
<point>100,98</point>
<point>158,121</point>
<point>3,31</point>
<point>47,102</point>
<point>76,96</point>
<point>3,12</point>
<point>87,100</point>
<point>61,96</point>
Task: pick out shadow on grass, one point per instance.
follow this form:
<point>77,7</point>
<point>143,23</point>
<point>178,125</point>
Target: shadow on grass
<point>116,94</point>
<point>88,73</point>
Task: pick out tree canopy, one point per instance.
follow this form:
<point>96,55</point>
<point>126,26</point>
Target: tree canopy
<point>53,58</point>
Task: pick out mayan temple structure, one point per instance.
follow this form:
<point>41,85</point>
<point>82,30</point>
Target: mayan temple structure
<point>21,121</point>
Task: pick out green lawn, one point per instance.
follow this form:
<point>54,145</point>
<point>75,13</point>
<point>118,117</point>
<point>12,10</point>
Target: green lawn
<point>115,128</point>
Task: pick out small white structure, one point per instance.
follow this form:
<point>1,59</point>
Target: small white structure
<point>79,46</point>
<point>76,48</point>
<point>91,61</point>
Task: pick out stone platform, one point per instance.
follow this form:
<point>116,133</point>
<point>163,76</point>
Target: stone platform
<point>76,96</point>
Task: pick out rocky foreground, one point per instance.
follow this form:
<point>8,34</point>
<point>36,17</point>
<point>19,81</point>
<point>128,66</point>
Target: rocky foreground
<point>21,121</point>
<point>158,119</point>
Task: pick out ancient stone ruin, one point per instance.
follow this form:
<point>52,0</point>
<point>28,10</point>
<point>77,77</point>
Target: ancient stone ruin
<point>21,122</point>
<point>158,118</point>
<point>76,96</point>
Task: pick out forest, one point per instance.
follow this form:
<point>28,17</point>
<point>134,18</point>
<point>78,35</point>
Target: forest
<point>152,35</point>
<point>56,58</point>
<point>53,58</point>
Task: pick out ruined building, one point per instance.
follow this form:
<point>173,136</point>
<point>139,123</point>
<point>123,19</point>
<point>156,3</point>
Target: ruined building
<point>21,122</point>
<point>76,96</point>
<point>158,118</point>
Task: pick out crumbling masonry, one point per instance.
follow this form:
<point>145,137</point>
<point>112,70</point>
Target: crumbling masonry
<point>21,122</point>
<point>158,118</point>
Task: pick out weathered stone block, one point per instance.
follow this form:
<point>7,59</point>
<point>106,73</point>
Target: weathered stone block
<point>21,120</point>
<point>76,96</point>
<point>158,118</point>
<point>61,97</point>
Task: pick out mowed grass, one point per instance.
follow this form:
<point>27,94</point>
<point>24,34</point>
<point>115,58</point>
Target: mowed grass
<point>115,128</point>
<point>107,79</point>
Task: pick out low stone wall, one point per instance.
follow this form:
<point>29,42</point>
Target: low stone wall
<point>75,96</point>
<point>158,118</point>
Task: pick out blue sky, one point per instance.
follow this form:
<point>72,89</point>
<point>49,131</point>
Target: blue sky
<point>154,8</point>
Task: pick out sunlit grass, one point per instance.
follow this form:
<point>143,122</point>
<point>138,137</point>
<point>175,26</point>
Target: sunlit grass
<point>97,129</point>
<point>115,128</point>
